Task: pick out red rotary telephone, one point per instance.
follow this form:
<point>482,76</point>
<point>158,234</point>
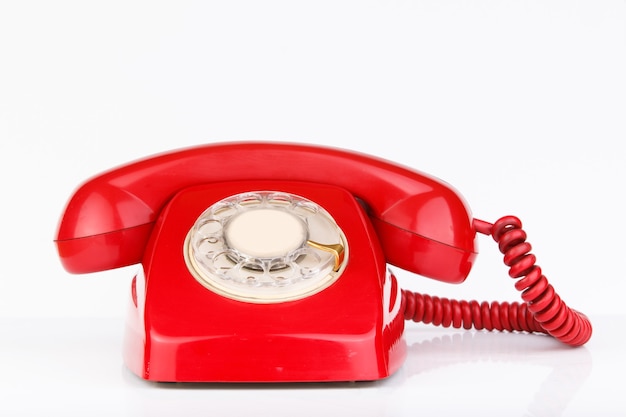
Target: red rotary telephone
<point>268,262</point>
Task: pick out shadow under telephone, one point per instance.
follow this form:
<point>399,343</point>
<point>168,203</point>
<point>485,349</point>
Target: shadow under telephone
<point>267,262</point>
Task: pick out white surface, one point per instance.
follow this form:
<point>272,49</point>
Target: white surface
<point>72,367</point>
<point>518,104</point>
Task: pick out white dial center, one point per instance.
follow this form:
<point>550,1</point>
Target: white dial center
<point>265,233</point>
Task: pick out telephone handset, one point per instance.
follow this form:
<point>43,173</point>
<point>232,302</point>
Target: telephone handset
<point>268,262</point>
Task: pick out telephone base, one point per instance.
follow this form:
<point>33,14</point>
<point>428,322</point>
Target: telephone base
<point>181,330</point>
<point>246,356</point>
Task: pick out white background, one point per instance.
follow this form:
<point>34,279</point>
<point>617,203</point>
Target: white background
<point>520,105</point>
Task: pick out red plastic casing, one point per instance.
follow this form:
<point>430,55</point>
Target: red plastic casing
<point>178,330</point>
<point>422,223</point>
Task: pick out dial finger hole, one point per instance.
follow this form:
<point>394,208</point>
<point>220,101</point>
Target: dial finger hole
<point>209,246</point>
<point>284,274</point>
<point>209,227</point>
<point>309,264</point>
<point>280,200</point>
<point>250,200</point>
<point>305,209</point>
<point>224,210</point>
<point>252,265</point>
<point>222,263</point>
<point>249,272</point>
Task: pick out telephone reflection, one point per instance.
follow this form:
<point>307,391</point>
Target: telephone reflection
<point>268,262</point>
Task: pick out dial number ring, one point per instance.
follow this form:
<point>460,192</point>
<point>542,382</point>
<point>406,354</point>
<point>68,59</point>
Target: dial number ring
<point>265,247</point>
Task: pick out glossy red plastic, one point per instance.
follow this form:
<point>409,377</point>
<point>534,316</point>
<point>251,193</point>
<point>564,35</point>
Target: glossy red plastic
<point>424,225</point>
<point>178,330</point>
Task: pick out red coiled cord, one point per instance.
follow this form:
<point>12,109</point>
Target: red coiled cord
<point>543,310</point>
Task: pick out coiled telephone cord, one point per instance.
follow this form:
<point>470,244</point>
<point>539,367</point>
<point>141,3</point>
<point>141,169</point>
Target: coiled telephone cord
<point>542,311</point>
